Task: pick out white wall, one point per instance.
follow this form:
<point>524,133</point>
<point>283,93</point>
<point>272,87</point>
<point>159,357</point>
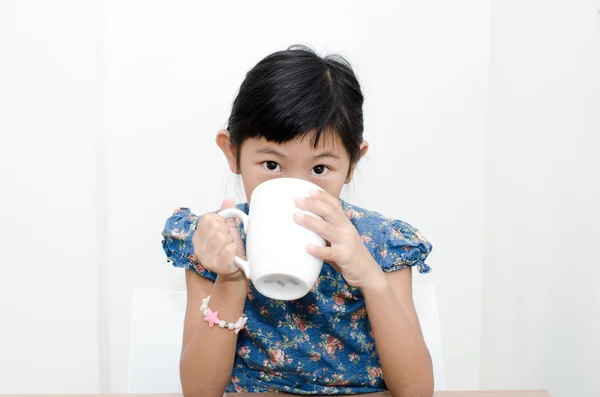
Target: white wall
<point>108,112</point>
<point>50,120</point>
<point>541,299</point>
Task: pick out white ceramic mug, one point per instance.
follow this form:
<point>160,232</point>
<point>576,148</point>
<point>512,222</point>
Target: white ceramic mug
<point>278,263</point>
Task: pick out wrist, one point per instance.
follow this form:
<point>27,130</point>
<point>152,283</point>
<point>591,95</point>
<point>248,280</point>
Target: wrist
<point>233,280</point>
<point>237,277</point>
<point>372,276</point>
<point>230,291</point>
<point>377,281</point>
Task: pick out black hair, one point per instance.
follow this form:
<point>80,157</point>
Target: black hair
<point>294,92</point>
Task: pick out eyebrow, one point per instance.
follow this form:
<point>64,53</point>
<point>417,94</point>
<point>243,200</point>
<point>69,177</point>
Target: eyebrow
<point>270,151</point>
<point>326,154</point>
<point>274,152</point>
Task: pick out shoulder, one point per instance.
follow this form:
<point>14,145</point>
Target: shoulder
<point>393,243</point>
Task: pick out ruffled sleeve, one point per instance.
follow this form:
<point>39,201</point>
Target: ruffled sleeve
<point>177,242</point>
<point>402,246</point>
<point>394,244</point>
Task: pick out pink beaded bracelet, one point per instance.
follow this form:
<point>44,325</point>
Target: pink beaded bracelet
<point>212,318</point>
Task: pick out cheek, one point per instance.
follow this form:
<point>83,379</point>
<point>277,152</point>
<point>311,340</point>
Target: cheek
<point>333,187</point>
<point>252,176</point>
<point>334,191</point>
<point>249,186</point>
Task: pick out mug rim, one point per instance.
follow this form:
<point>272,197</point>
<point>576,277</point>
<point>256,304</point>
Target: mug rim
<point>283,178</point>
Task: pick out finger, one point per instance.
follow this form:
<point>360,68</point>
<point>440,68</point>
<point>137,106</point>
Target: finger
<point>210,223</point>
<point>322,195</point>
<point>231,222</point>
<point>217,224</point>
<point>206,219</point>
<point>233,227</point>
<point>319,226</point>
<point>225,259</point>
<point>319,205</point>
<point>237,239</point>
<point>218,242</point>
<point>328,254</point>
<point>204,234</point>
<point>207,226</point>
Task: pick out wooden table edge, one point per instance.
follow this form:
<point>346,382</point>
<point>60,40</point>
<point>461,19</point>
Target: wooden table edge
<point>445,393</point>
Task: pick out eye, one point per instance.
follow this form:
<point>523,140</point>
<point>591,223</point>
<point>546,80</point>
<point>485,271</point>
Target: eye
<point>320,169</point>
<point>271,165</point>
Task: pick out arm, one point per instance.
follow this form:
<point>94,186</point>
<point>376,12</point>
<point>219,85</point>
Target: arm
<point>405,360</point>
<point>208,353</point>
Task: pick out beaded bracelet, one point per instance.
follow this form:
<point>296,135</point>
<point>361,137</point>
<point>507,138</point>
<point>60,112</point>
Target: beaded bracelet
<point>212,318</point>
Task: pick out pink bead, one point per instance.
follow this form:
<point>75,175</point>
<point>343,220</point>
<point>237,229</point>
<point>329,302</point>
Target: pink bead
<point>240,324</point>
<point>211,317</point>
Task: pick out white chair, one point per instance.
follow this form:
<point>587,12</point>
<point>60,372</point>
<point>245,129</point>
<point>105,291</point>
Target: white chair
<point>427,310</point>
<point>157,329</point>
<point>156,333</point>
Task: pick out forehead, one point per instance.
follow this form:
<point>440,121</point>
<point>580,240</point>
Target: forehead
<point>303,144</point>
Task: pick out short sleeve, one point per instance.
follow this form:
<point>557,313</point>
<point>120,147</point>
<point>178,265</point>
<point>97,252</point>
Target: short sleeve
<point>177,242</point>
<point>403,245</point>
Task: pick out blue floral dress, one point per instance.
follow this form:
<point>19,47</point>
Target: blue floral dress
<point>321,343</point>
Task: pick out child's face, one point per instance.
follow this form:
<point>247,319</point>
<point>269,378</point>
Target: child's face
<point>327,165</point>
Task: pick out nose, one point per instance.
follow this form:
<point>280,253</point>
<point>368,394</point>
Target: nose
<point>296,175</point>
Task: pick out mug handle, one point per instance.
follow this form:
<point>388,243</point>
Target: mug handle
<point>235,213</point>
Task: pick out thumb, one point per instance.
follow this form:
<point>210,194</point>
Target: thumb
<point>227,203</point>
<point>231,222</point>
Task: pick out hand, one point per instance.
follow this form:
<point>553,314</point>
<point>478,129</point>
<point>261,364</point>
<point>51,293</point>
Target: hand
<point>217,241</point>
<point>345,250</point>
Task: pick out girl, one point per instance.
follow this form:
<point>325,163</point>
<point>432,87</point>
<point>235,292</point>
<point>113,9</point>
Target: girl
<point>299,115</point>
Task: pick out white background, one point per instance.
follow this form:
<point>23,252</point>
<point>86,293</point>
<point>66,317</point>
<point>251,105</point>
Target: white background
<point>484,123</point>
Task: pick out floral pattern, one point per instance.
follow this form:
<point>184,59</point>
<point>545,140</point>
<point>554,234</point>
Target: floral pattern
<point>321,343</point>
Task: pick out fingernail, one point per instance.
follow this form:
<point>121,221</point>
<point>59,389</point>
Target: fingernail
<point>299,216</point>
<point>300,200</point>
<point>315,193</point>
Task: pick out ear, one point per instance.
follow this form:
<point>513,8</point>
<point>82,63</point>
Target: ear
<point>364,148</point>
<point>224,142</point>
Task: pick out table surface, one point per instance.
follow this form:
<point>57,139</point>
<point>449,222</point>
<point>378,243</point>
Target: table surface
<point>503,393</point>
